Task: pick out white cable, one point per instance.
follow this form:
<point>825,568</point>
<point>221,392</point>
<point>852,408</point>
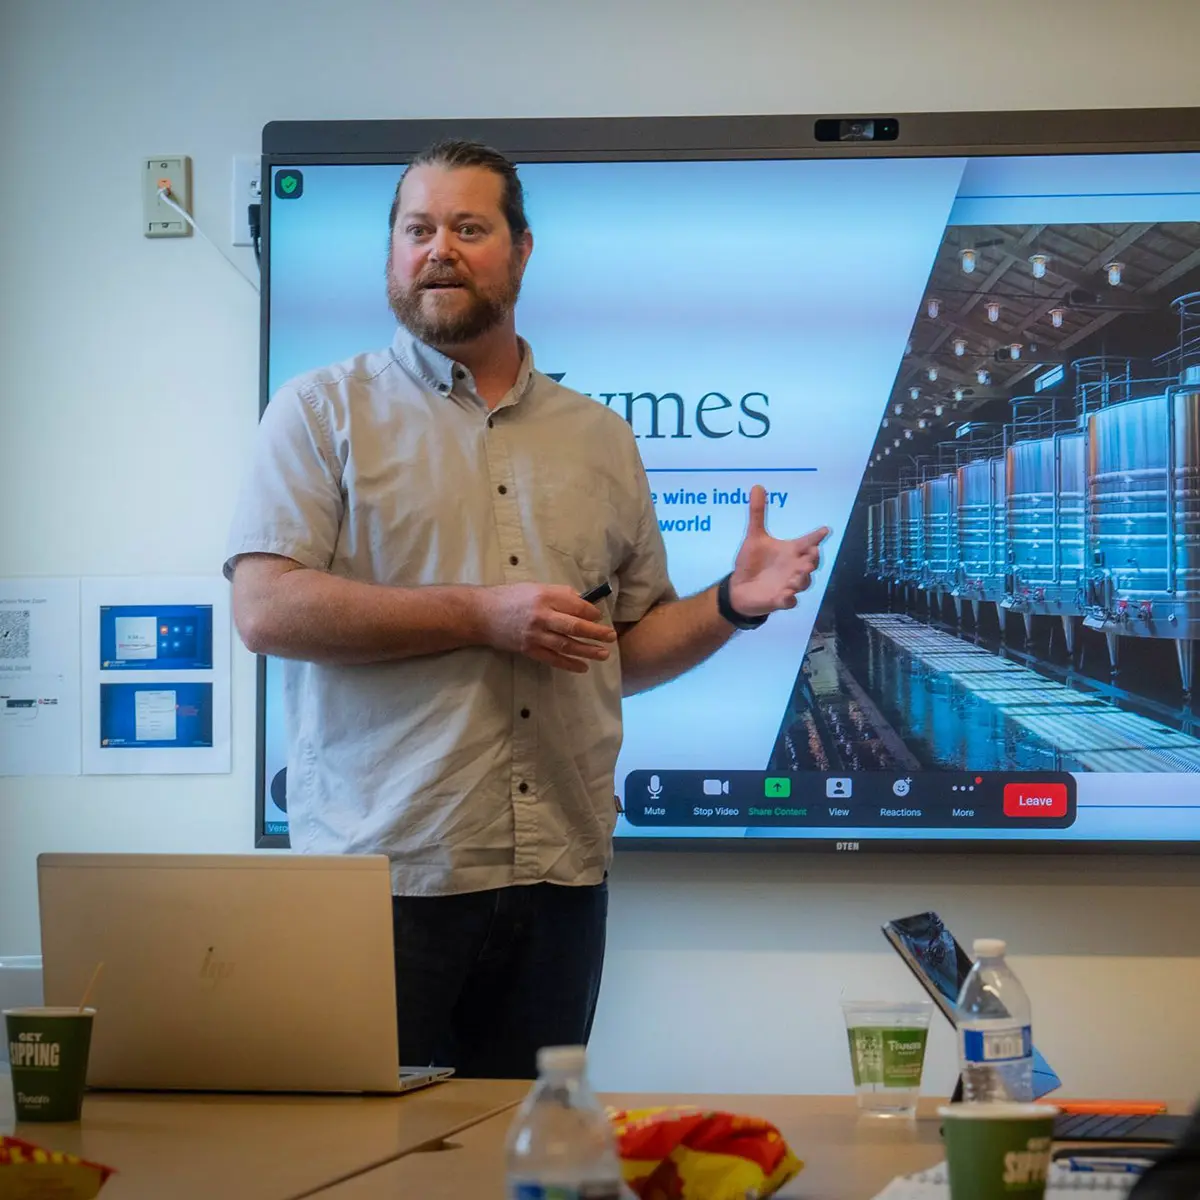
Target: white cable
<point>165,196</point>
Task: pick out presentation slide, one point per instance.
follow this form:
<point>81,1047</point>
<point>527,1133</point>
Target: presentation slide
<point>156,638</point>
<point>973,370</point>
<point>156,716</point>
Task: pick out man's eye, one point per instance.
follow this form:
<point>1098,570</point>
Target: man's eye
<point>416,230</point>
<point>470,230</point>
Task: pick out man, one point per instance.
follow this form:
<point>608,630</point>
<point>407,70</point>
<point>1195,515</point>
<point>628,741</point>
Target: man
<point>413,539</point>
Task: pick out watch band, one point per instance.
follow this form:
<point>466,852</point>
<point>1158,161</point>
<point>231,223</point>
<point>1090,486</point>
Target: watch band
<point>731,614</point>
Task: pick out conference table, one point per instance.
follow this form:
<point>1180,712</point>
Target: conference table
<point>440,1142</point>
<point>847,1157</point>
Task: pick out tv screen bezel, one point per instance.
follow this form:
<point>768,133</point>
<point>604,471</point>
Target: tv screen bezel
<point>715,138</point>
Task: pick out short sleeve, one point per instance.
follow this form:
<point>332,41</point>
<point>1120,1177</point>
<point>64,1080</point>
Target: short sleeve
<point>642,578</point>
<point>291,500</point>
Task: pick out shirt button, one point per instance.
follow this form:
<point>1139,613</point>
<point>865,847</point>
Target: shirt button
<point>460,374</point>
<point>502,490</point>
<point>525,713</point>
<point>513,559</point>
<point>522,788</point>
<point>491,422</point>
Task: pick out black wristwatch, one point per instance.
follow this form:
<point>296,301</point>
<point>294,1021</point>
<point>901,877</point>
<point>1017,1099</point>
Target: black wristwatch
<point>731,614</point>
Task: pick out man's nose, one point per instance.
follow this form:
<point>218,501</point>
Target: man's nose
<point>441,245</point>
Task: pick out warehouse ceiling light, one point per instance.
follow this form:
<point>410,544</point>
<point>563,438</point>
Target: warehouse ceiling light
<point>1056,317</point>
<point>993,311</point>
<point>1037,264</point>
<point>933,306</point>
<point>968,258</point>
<point>960,347</point>
<point>1114,270</point>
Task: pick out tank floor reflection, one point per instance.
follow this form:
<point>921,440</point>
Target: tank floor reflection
<point>908,695</point>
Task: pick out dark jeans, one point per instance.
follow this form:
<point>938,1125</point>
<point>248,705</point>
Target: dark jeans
<point>483,980</point>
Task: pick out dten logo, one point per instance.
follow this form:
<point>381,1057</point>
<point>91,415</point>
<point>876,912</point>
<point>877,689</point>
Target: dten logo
<point>660,415</point>
<point>847,845</point>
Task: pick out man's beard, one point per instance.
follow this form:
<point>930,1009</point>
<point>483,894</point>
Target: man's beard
<point>483,313</point>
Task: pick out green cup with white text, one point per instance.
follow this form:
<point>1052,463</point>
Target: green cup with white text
<point>997,1151</point>
<point>887,1053</point>
<point>48,1054</point>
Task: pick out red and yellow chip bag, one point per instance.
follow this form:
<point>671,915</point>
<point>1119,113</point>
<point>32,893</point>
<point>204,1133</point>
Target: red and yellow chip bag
<point>27,1172</point>
<point>689,1154</point>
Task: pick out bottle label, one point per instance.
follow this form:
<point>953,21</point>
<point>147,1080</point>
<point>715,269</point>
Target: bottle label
<point>606,1190</point>
<point>1001,1045</point>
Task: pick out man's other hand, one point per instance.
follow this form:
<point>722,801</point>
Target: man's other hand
<point>769,573</point>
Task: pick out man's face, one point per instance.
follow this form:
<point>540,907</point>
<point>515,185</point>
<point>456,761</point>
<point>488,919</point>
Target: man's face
<point>453,272</point>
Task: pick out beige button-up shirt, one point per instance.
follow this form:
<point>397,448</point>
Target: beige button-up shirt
<point>470,769</point>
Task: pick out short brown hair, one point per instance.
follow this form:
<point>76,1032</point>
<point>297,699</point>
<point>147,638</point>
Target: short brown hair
<point>455,152</point>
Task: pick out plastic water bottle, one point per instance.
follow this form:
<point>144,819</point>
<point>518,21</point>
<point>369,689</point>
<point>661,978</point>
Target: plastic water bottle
<point>995,1045</point>
<point>561,1144</point>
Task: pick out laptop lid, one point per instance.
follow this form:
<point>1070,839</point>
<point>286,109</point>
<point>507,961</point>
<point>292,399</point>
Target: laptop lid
<point>227,972</point>
<point>935,957</point>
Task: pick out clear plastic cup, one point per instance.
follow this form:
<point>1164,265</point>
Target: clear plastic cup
<point>887,1053</point>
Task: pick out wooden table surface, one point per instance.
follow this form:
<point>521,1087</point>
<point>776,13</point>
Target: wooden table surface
<point>200,1147</point>
<point>847,1157</point>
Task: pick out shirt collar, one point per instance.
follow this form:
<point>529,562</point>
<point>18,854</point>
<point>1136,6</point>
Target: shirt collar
<point>437,370</point>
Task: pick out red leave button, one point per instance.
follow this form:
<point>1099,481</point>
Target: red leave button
<point>1035,799</point>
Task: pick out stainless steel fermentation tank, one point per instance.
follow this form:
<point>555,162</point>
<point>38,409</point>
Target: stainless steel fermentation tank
<point>982,536</point>
<point>1046,509</point>
<point>1144,520</point>
<point>940,561</point>
<point>875,540</point>
<point>1094,517</point>
<point>910,569</point>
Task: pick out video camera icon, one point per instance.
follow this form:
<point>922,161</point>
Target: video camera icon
<point>716,787</point>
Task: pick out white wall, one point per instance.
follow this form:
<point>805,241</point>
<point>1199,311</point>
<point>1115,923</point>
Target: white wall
<point>128,397</point>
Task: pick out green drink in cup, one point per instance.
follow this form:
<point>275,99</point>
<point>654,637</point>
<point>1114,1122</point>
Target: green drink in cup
<point>997,1151</point>
<point>48,1053</point>
<point>887,1053</point>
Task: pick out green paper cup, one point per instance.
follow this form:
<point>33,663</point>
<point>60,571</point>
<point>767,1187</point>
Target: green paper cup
<point>48,1054</point>
<point>887,1053</point>
<point>997,1151</point>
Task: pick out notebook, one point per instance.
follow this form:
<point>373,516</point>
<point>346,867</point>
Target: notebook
<point>1063,1184</point>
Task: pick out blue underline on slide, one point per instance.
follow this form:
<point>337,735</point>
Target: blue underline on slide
<point>1071,195</point>
<point>727,470</point>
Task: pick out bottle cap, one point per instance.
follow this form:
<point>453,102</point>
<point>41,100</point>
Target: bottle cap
<point>561,1058</point>
<point>989,948</point>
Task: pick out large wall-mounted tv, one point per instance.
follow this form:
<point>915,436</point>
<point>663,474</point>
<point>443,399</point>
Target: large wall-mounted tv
<point>968,343</point>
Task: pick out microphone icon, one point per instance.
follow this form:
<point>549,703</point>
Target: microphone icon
<point>655,787</point>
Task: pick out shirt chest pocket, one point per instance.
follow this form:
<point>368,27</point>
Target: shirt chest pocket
<point>583,522</point>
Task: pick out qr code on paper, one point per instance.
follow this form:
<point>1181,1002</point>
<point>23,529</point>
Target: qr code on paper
<point>14,633</point>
